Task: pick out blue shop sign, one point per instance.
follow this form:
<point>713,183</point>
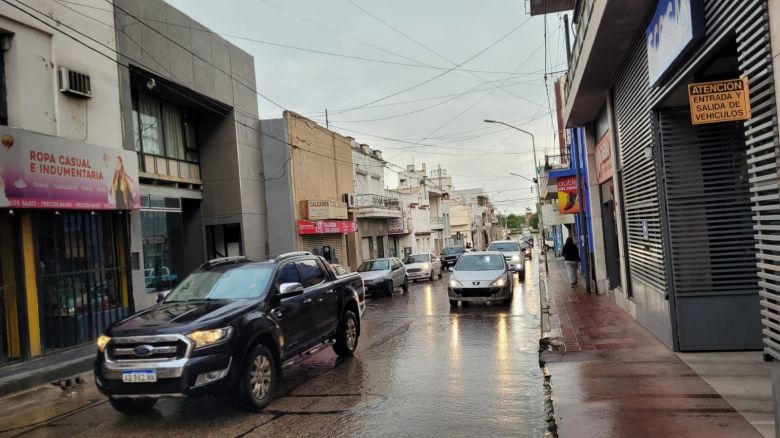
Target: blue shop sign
<point>676,27</point>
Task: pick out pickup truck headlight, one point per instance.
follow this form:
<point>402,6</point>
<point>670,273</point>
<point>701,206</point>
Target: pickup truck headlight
<point>204,338</point>
<point>500,282</point>
<point>455,283</point>
<point>515,258</point>
<point>426,266</point>
<point>102,341</point>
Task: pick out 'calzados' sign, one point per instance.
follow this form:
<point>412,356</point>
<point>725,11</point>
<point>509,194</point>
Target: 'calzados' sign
<point>41,171</point>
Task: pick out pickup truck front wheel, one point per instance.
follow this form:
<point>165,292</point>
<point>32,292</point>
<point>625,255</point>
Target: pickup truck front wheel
<point>132,406</point>
<point>259,380</point>
<point>347,336</point>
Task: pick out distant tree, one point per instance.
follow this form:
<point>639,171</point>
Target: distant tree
<point>535,220</point>
<point>515,222</point>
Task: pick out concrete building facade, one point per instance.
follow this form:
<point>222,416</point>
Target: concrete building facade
<point>308,170</point>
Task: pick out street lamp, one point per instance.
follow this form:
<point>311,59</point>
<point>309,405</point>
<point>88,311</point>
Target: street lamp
<point>536,181</point>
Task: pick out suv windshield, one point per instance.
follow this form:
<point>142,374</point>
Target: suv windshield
<point>248,281</point>
<point>504,246</point>
<point>418,258</point>
<point>477,262</point>
<point>450,250</point>
<point>374,265</point>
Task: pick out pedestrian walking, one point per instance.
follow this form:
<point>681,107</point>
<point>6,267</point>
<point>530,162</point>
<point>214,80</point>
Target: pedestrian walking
<point>572,257</point>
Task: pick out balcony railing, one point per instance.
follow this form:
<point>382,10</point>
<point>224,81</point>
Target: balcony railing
<point>377,201</point>
<point>171,169</point>
<point>437,220</point>
<point>557,161</point>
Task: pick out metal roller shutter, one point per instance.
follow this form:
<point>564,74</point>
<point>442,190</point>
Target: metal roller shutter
<point>317,241</point>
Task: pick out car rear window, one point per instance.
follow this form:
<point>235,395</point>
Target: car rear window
<point>450,250</point>
<point>374,265</point>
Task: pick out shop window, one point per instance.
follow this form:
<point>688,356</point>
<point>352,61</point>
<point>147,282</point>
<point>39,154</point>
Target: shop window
<point>161,236</point>
<point>79,274</point>
<point>224,240</point>
<point>163,128</point>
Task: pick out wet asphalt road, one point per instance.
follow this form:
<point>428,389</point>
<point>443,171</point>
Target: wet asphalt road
<point>421,369</point>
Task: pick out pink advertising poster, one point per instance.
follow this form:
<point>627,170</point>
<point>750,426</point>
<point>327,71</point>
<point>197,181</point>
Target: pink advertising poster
<point>41,171</point>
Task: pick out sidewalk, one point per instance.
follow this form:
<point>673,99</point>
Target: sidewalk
<point>610,377</point>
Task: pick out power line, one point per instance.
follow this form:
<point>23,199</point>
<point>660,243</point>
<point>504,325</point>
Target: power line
<point>503,37</point>
<point>417,64</point>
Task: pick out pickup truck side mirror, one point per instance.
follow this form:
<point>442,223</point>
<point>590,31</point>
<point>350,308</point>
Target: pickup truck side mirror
<point>162,295</point>
<point>287,290</point>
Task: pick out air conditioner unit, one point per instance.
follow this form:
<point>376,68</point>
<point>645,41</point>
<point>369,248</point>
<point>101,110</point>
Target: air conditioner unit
<point>74,83</point>
<point>349,198</point>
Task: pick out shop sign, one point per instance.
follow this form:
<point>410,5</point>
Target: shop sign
<point>721,101</point>
<point>319,210</point>
<point>552,216</point>
<point>41,171</point>
<point>396,225</point>
<point>326,227</point>
<point>675,28</point>
<point>567,195</point>
<point>604,157</point>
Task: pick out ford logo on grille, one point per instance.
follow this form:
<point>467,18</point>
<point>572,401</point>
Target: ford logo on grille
<point>143,350</point>
<point>475,283</point>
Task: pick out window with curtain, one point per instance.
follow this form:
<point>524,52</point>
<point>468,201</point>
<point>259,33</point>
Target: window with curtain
<point>163,128</point>
<point>149,125</point>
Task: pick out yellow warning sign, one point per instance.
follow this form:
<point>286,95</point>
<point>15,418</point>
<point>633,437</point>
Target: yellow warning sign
<point>721,101</point>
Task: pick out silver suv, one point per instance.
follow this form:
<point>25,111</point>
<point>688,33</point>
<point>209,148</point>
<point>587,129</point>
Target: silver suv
<point>513,253</point>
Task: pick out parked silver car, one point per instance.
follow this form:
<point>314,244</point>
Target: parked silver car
<point>481,277</point>
<point>383,275</point>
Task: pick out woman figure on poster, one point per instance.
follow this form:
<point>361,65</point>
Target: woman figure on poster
<point>571,255</point>
<point>4,202</point>
<point>122,187</point>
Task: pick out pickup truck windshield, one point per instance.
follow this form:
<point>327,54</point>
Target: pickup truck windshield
<point>504,246</point>
<point>249,281</point>
<point>481,263</point>
<point>418,258</point>
<point>450,250</point>
<point>374,265</point>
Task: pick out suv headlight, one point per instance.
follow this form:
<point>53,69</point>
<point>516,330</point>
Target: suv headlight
<point>500,282</point>
<point>455,283</point>
<point>204,338</point>
<point>515,258</point>
<point>102,341</point>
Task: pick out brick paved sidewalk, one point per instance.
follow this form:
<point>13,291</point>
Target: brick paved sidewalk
<point>612,378</point>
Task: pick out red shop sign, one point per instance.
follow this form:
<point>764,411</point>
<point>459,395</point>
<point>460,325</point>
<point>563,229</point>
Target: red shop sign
<point>326,227</point>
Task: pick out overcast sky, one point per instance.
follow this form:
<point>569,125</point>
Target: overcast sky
<point>431,37</point>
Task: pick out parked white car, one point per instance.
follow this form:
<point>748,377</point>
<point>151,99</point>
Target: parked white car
<point>422,266</point>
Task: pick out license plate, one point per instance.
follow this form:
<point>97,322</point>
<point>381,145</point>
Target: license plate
<point>139,376</point>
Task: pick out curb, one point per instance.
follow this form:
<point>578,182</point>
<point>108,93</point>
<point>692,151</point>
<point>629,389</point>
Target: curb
<point>546,344</point>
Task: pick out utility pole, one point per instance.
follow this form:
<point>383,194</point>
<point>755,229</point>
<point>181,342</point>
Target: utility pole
<point>327,122</point>
<point>538,192</point>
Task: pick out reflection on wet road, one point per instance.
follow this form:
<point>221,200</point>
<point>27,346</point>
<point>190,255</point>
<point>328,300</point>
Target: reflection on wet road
<point>421,369</point>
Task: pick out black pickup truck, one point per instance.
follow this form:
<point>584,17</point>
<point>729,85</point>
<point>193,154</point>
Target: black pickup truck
<point>230,326</point>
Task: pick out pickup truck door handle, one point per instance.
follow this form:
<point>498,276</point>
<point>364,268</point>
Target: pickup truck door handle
<point>307,301</point>
<point>319,300</point>
<point>330,291</point>
<point>277,313</point>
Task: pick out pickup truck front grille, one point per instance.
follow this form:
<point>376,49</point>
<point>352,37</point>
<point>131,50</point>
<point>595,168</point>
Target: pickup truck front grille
<point>147,348</point>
